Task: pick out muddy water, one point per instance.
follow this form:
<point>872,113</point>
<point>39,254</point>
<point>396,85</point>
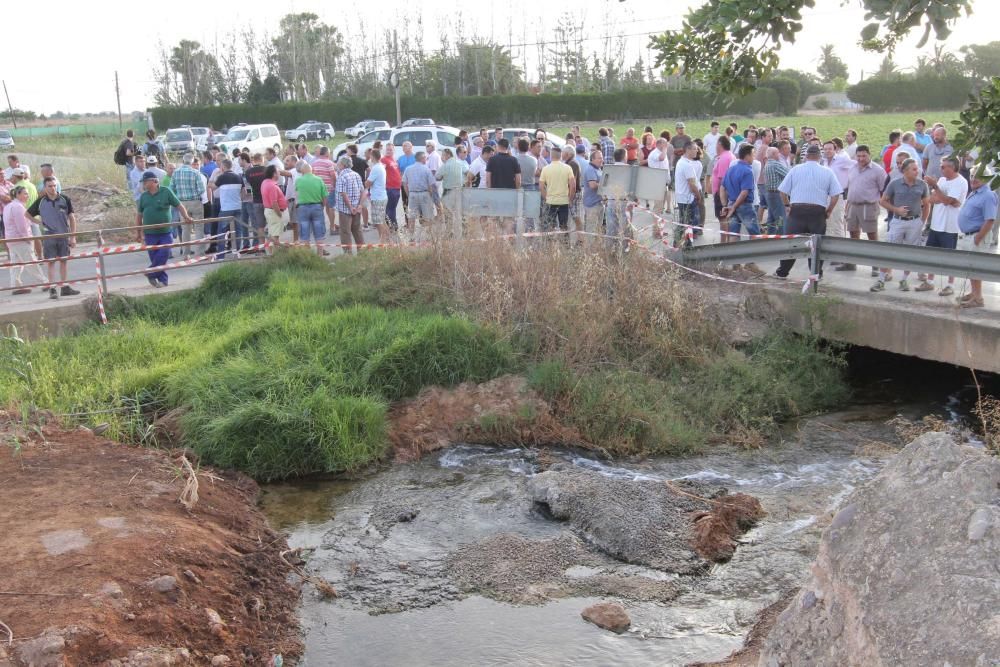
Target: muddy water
<point>465,494</point>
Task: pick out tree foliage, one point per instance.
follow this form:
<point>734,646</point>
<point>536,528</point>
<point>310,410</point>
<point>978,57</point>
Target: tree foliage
<point>731,45</point>
<point>982,61</point>
<point>830,65</point>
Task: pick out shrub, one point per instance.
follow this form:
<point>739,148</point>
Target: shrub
<point>788,92</point>
<point>821,103</point>
<point>916,93</point>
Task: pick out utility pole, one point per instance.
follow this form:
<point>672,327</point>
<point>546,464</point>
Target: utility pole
<point>118,96</point>
<point>9,105</point>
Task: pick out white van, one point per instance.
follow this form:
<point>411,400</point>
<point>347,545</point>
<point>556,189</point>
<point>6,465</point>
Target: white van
<point>254,138</point>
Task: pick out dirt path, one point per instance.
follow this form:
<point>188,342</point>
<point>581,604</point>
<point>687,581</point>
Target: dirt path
<point>102,565</point>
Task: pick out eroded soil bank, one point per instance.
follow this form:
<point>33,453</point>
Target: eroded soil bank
<point>103,565</point>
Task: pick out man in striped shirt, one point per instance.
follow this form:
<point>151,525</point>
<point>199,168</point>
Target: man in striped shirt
<point>324,167</point>
<point>607,146</point>
<point>348,199</point>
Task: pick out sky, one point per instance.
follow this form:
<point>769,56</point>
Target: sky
<point>85,56</point>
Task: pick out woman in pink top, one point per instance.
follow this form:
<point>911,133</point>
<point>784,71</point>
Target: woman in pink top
<point>275,203</point>
<point>16,225</point>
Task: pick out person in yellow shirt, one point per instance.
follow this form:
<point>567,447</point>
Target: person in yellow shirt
<point>557,185</point>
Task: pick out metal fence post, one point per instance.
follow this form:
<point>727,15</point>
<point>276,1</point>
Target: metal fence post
<point>233,242</point>
<point>100,262</point>
<point>519,220</point>
<point>814,259</point>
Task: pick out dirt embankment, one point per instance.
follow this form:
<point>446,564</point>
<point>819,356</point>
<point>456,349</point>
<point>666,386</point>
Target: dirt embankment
<point>103,565</point>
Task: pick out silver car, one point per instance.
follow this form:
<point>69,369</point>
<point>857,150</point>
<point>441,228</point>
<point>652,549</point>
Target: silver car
<point>6,139</point>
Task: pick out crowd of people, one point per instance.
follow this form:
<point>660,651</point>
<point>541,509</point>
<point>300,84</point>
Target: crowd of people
<point>760,180</point>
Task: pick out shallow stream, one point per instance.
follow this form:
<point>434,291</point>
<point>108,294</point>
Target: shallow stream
<point>381,542</point>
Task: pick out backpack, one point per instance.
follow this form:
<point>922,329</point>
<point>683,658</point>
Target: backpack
<point>152,148</point>
<point>120,157</point>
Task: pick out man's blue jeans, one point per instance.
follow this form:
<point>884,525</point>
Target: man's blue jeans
<point>775,214</point>
<point>746,218</point>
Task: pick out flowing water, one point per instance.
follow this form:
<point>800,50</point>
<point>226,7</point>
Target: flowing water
<point>466,493</point>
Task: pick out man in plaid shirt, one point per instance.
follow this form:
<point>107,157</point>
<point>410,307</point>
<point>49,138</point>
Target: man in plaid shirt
<point>774,173</point>
<point>189,186</point>
<point>348,195</point>
<point>607,146</point>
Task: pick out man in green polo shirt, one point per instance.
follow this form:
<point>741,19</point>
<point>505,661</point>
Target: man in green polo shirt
<point>310,194</point>
<point>153,217</point>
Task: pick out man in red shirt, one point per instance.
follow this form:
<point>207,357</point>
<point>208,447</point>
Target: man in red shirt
<point>890,149</point>
<point>393,183</point>
<point>631,145</point>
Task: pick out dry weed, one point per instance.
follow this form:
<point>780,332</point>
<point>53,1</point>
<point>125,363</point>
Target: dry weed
<point>988,412</point>
<point>584,307</point>
<point>908,430</point>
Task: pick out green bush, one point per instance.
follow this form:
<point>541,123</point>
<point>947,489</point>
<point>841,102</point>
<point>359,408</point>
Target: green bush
<point>821,103</point>
<point>913,93</point>
<point>788,92</point>
<point>505,109</point>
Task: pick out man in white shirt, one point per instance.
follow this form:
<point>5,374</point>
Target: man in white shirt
<point>688,188</point>
<point>478,170</point>
<point>433,158</point>
<point>947,195</point>
<point>711,140</point>
<point>908,145</point>
<point>840,165</point>
<point>659,158</point>
<point>851,144</point>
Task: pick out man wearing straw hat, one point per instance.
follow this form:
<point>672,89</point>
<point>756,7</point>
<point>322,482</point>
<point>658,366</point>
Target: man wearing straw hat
<point>154,208</point>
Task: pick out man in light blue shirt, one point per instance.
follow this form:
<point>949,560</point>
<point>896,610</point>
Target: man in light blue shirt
<point>922,138</point>
<point>812,191</point>
<point>975,220</point>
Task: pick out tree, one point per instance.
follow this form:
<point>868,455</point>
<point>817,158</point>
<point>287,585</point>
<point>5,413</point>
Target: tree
<point>731,45</point>
<point>940,63</point>
<point>195,73</point>
<point>887,69</point>
<point>982,61</point>
<point>808,83</point>
<point>830,65</point>
<point>307,52</point>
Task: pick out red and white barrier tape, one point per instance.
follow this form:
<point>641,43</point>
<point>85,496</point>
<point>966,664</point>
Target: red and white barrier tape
<point>724,232</point>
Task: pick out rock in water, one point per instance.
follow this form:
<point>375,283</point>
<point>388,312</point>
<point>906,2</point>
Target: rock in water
<point>908,571</point>
<point>607,615</point>
<point>671,527</point>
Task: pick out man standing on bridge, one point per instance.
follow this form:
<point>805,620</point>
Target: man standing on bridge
<point>976,220</point>
<point>811,192</point>
<point>54,213</point>
<point>153,217</point>
<point>908,199</point>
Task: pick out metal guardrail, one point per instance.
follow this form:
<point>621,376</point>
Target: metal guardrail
<point>957,263</point>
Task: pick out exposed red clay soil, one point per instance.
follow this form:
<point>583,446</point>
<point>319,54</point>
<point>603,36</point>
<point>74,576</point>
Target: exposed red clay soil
<point>88,524</point>
<point>716,529</point>
<point>499,412</point>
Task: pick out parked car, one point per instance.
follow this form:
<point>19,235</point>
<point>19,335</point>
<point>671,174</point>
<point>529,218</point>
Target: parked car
<point>254,138</point>
<point>442,135</point>
<point>365,126</point>
<point>310,129</point>
<point>512,134</point>
<point>410,122</point>
<point>200,137</point>
<point>6,139</point>
<point>179,140</point>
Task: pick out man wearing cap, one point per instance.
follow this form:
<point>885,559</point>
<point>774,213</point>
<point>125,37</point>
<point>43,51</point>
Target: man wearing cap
<point>152,164</point>
<point>53,212</point>
<point>975,221</point>
<point>153,219</point>
<point>811,192</point>
<point>679,142</point>
<point>14,162</point>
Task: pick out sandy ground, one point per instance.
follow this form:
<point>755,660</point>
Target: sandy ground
<point>103,565</point>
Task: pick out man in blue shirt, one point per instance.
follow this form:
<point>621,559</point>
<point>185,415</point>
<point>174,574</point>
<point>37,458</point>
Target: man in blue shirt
<point>975,220</point>
<point>918,133</point>
<point>738,187</point>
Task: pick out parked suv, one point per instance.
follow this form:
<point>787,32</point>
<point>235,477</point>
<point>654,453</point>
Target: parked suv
<point>409,122</point>
<point>310,129</point>
<point>254,138</point>
<point>179,140</point>
<point>200,137</point>
<point>442,135</point>
<point>366,126</point>
<point>6,139</point>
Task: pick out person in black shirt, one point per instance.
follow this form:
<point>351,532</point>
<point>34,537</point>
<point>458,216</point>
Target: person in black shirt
<point>504,171</point>
<point>255,178</point>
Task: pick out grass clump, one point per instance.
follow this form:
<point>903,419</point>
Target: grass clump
<point>271,369</point>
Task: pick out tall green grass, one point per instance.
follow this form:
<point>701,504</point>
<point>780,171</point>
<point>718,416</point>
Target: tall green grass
<point>269,373</point>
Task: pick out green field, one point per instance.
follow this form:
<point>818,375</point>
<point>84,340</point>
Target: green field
<point>872,129</point>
